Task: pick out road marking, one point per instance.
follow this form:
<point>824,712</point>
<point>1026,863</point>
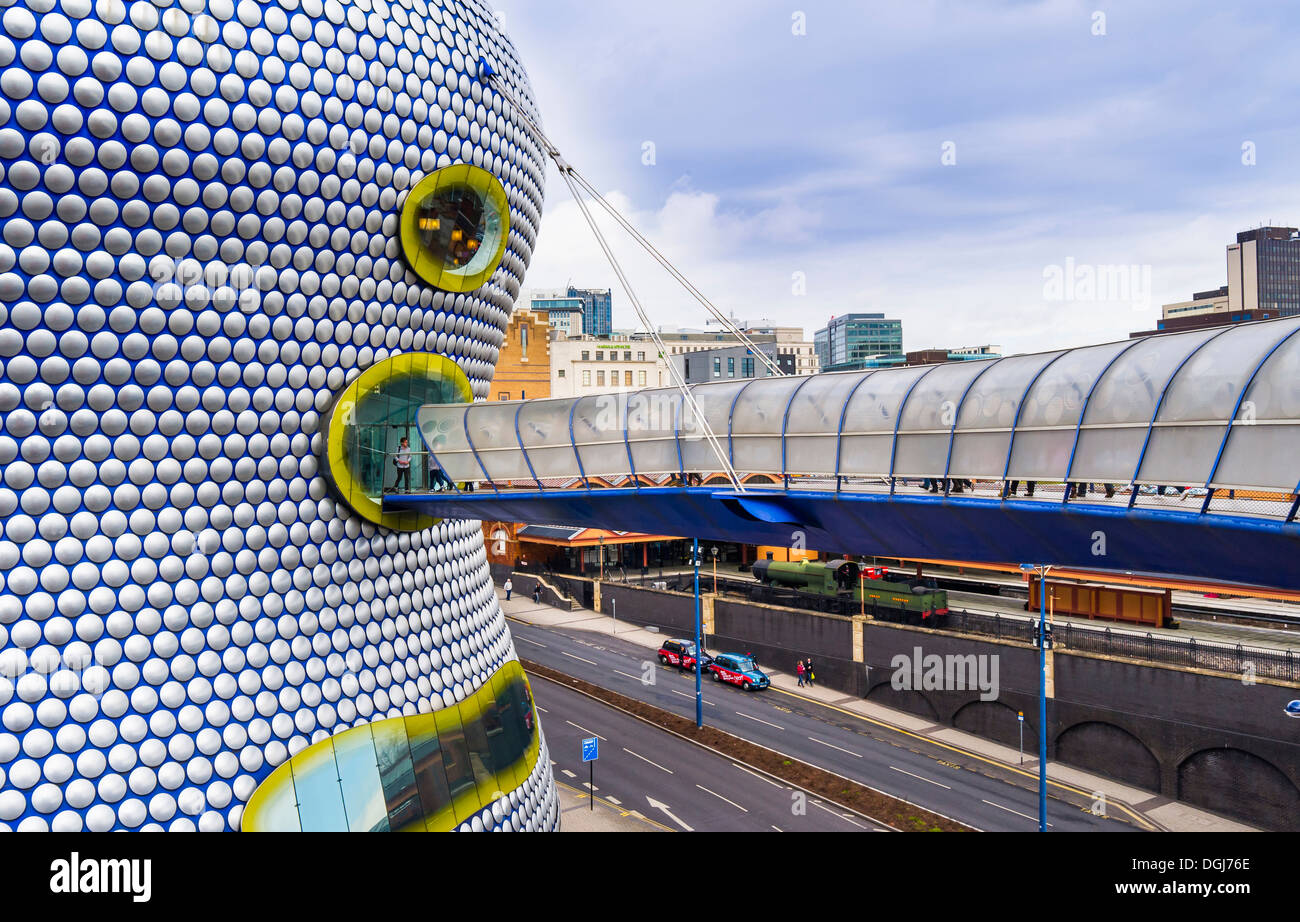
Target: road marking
<point>692,697</point>
<point>644,759</point>
<point>840,815</point>
<point>568,773</point>
<point>919,778</point>
<point>614,800</point>
<point>1139,819</point>
<point>758,776</point>
<point>760,720</point>
<point>657,805</point>
<point>540,708</point>
<point>833,746</point>
<point>585,730</point>
<point>566,653</point>
<point>632,677</point>
<point>533,642</point>
<point>720,797</point>
<point>777,828</point>
<point>1033,819</point>
<point>589,786</point>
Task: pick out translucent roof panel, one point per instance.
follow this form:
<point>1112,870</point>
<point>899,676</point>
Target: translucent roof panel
<point>1263,448</point>
<point>874,406</point>
<point>1129,390</point>
<point>544,431</point>
<point>1211,382</point>
<point>933,402</point>
<point>760,408</point>
<point>1057,397</point>
<point>598,433</point>
<point>817,407</point>
<point>995,396</point>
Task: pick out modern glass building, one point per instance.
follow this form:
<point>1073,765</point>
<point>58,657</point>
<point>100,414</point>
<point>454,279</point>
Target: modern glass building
<point>597,311</point>
<point>242,243</point>
<point>853,341</point>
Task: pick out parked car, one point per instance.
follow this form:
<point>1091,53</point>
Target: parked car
<point>681,653</point>
<point>738,669</point>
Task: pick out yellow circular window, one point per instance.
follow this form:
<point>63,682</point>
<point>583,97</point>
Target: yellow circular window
<point>373,447</point>
<point>454,226</point>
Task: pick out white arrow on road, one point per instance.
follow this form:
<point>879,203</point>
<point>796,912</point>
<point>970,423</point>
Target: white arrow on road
<point>656,805</point>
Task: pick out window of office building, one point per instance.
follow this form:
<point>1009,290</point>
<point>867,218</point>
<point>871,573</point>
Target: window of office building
<point>600,356</point>
<point>640,378</point>
<point>640,356</point>
<point>504,395</point>
<point>600,378</point>
<point>586,379</point>
<point>717,368</point>
<point>731,367</point>
<point>747,368</point>
<point>523,343</point>
<point>586,355</point>
<point>627,379</point>
<point>561,373</point>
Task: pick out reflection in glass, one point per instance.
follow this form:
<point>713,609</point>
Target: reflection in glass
<point>320,796</point>
<point>393,755</point>
<point>424,771</point>
<point>359,776</point>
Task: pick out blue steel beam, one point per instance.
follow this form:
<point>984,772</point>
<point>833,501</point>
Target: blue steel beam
<point>1220,547</point>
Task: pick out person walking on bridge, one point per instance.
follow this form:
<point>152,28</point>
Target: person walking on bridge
<point>402,461</point>
<point>809,674</point>
<point>798,668</point>
<point>508,587</point>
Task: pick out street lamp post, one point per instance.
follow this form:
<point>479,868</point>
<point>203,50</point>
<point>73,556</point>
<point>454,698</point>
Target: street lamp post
<point>699,649</point>
<point>1042,690</point>
<point>715,569</point>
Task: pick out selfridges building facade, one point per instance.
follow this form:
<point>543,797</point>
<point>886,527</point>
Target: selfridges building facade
<point>240,241</point>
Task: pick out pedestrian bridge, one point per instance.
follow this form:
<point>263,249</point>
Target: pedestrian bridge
<point>1190,442</point>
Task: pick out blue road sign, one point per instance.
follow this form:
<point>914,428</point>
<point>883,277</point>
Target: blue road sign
<point>589,749</point>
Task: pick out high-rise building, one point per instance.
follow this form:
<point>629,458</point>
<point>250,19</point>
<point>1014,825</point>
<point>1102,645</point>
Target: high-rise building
<point>859,341</point>
<point>564,314</point>
<point>597,310</point>
<point>1263,284</point>
<point>1264,271</point>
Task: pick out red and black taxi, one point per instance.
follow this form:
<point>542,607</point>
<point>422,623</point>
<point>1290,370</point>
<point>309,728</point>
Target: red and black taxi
<point>681,653</point>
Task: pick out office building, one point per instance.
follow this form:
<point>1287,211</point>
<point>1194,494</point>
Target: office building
<point>563,314</point>
<point>604,365</point>
<point>1263,284</point>
<point>597,310</point>
<point>853,341</point>
<point>963,354</point>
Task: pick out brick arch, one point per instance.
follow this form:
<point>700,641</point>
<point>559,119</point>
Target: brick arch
<point>911,702</point>
<point>1242,785</point>
<point>1109,750</point>
<point>996,720</point>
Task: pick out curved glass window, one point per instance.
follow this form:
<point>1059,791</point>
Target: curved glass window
<point>454,227</point>
<point>373,445</point>
<point>422,773</point>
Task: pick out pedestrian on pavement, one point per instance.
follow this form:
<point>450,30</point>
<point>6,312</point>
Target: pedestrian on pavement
<point>537,594</point>
<point>799,671</point>
<point>808,667</point>
<point>509,586</point>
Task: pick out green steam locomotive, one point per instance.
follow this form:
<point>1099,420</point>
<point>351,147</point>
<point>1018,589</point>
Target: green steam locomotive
<point>856,588</point>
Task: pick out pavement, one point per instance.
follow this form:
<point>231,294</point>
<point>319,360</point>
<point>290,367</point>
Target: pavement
<point>893,751</point>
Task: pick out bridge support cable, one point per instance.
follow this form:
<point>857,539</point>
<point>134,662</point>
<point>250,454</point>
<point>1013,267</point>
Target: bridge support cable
<point>565,167</point>
<point>678,380</point>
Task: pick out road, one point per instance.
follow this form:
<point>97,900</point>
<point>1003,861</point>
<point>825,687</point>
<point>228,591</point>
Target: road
<point>671,780</point>
<point>969,789</point>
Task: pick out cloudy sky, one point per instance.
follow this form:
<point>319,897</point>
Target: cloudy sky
<point>941,162</point>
